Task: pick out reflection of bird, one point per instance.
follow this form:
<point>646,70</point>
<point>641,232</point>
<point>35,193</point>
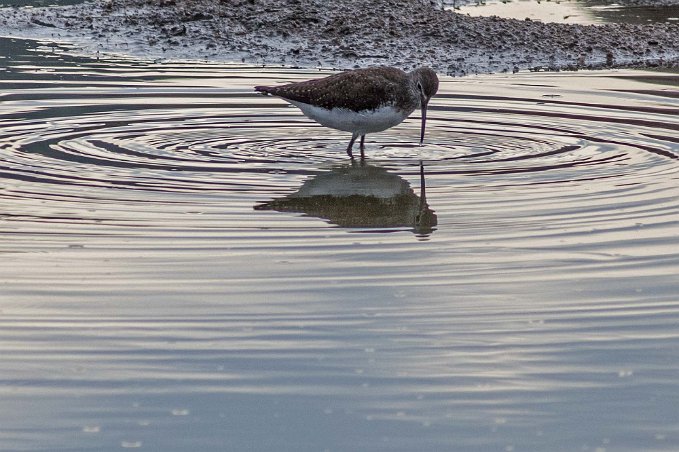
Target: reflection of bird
<point>360,196</point>
<point>363,100</point>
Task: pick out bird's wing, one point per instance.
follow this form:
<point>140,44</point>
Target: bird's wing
<point>363,89</point>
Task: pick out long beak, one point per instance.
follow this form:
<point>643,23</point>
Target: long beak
<point>424,120</point>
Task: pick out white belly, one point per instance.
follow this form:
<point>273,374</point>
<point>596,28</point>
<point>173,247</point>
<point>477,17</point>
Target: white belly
<point>361,123</point>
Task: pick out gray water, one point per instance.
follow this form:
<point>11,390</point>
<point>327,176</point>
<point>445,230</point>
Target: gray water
<point>186,265</point>
<point>585,12</point>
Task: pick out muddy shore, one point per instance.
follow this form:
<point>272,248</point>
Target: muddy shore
<point>341,34</point>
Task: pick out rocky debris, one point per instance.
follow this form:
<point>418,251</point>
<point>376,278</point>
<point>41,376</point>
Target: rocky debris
<point>343,34</point>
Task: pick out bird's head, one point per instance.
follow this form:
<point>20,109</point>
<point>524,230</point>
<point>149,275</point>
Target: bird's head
<point>427,84</point>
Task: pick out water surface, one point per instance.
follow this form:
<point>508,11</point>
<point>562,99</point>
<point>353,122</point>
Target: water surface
<point>187,265</point>
<point>586,12</point>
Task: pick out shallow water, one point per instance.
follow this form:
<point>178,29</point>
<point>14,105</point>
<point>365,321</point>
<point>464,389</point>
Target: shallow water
<point>586,12</point>
<point>181,269</point>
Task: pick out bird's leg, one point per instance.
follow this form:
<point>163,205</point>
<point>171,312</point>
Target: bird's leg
<point>351,145</point>
<point>362,147</point>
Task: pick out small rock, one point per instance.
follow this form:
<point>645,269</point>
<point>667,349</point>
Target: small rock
<point>42,23</point>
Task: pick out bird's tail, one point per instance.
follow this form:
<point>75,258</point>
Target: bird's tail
<point>264,89</point>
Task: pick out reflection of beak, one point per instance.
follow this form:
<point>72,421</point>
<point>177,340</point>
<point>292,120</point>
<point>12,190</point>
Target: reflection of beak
<point>423,191</point>
<point>424,119</point>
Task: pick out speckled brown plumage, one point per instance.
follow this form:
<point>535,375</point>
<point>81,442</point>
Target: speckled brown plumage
<point>357,90</point>
<point>362,101</point>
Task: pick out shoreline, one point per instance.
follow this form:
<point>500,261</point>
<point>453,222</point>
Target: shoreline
<point>308,33</point>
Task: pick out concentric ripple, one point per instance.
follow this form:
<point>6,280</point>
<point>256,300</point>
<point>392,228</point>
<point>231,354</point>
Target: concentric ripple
<point>188,264</point>
<point>104,137</point>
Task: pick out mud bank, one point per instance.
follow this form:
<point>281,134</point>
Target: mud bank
<point>341,34</point>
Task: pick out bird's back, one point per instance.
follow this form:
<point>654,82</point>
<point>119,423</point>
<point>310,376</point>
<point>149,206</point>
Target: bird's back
<point>357,90</point>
